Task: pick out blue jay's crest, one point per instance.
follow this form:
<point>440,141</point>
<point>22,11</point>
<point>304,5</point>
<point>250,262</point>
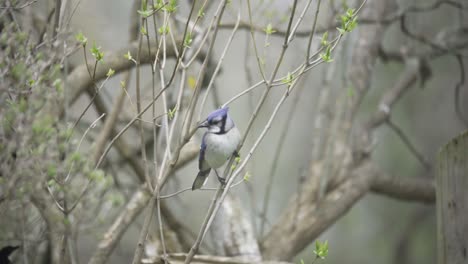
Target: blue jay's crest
<point>220,112</point>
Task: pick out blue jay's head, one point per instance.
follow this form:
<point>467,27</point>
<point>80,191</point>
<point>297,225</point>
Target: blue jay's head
<point>218,122</point>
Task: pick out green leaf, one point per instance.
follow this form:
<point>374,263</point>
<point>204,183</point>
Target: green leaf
<point>76,157</point>
<point>269,29</point>
<point>324,40</point>
<point>163,30</point>
<point>201,12</point>
<point>158,5</point>
<point>110,72</point>
<point>143,31</point>
<point>51,182</point>
<point>171,7</point>
<point>145,13</point>
<point>247,176</point>
<point>51,170</point>
<point>97,53</point>
<point>171,113</point>
<point>235,163</point>
<point>326,56</point>
<point>188,40</point>
<point>81,38</point>
<point>116,199</point>
<point>97,175</point>
<point>128,56</point>
<point>348,21</point>
<point>321,249</point>
<point>352,24</point>
<point>288,79</point>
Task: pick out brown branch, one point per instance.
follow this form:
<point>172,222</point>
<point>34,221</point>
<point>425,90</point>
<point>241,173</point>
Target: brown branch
<point>364,20</point>
<point>406,80</point>
<point>109,124</point>
<point>458,87</point>
<point>122,222</point>
<point>79,79</point>
<point>293,232</point>
<point>408,189</point>
<point>411,147</point>
<point>54,219</point>
<point>233,231</point>
<point>18,7</point>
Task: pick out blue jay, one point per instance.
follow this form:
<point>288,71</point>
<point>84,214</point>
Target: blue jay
<point>218,144</point>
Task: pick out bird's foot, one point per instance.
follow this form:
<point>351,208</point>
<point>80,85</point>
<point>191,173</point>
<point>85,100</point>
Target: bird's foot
<point>221,180</point>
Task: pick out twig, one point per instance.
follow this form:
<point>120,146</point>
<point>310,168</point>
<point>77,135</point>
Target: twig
<point>187,124</point>
<point>408,144</point>
<point>138,100</point>
<point>299,20</point>
<point>163,173</point>
<point>254,43</point>
<point>55,30</point>
<point>458,87</point>
<point>162,197</point>
<point>218,66</point>
<point>278,151</point>
<point>309,44</point>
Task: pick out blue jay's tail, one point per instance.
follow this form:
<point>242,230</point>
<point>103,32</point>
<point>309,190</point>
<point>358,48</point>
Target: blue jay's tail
<point>200,180</point>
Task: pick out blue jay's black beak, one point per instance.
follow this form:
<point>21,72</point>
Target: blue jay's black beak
<point>203,124</point>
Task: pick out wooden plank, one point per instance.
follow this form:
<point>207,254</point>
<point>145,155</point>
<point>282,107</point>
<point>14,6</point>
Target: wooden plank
<point>452,201</point>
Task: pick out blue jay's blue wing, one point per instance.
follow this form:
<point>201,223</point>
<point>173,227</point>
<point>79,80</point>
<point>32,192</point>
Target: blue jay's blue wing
<point>204,168</point>
<point>202,164</point>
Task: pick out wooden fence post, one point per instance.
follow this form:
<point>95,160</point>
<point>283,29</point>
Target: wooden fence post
<point>452,202</point>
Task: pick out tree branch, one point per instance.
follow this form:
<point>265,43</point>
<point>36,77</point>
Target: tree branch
<point>304,220</point>
<point>408,189</point>
<point>79,79</point>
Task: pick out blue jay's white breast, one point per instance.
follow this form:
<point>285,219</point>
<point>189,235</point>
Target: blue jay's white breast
<point>220,147</point>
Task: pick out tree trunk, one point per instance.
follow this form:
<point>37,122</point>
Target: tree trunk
<point>452,201</point>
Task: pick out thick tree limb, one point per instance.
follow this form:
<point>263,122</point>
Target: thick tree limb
<point>304,221</point>
<point>79,79</point>
<point>234,231</point>
<point>122,222</point>
<point>53,218</point>
<point>408,189</point>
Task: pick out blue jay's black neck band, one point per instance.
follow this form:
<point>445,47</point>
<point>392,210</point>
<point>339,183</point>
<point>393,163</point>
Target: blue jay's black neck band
<point>222,130</point>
